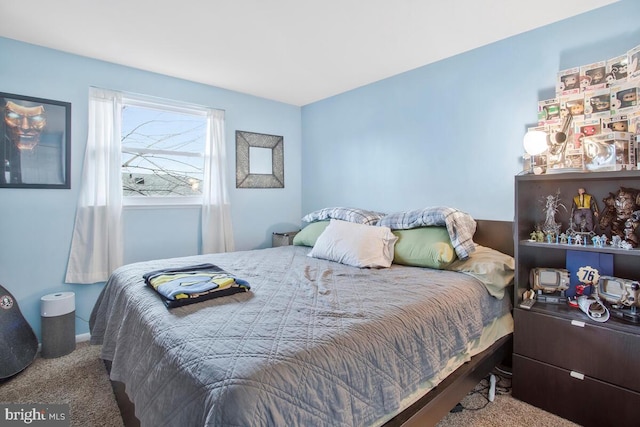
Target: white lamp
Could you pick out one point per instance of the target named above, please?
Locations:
(535, 142)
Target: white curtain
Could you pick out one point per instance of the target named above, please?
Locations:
(217, 232)
(96, 246)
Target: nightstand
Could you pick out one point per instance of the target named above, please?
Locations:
(283, 239)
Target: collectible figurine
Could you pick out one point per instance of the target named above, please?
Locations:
(600, 103)
(597, 75)
(570, 81)
(628, 98)
(626, 245)
(619, 126)
(585, 82)
(622, 214)
(583, 210)
(576, 108)
(551, 227)
(609, 211)
(588, 130)
(616, 241)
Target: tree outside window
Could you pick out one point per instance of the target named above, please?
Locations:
(162, 150)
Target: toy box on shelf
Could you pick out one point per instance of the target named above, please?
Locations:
(617, 69)
(593, 122)
(625, 151)
(600, 152)
(633, 67)
(587, 127)
(609, 151)
(619, 123)
(624, 97)
(572, 104)
(597, 103)
(593, 76)
(634, 121)
(568, 82)
(548, 111)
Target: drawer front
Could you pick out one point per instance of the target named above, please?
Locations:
(593, 350)
(585, 401)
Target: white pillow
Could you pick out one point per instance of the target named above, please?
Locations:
(354, 244)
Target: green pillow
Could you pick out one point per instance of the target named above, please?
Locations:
(424, 247)
(308, 235)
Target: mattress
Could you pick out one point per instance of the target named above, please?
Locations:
(314, 342)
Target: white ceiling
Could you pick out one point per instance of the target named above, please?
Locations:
(294, 51)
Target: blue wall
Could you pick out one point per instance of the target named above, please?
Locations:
(36, 225)
(450, 133)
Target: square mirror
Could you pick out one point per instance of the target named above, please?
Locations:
(259, 160)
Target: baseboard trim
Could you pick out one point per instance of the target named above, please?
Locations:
(79, 338)
(83, 337)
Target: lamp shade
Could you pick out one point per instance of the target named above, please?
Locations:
(535, 142)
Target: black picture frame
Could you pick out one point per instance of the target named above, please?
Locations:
(33, 154)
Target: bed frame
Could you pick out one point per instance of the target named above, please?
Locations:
(434, 405)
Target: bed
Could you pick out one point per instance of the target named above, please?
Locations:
(314, 342)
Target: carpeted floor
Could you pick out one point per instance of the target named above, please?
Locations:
(504, 411)
(80, 379)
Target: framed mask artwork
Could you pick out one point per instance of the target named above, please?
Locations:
(35, 142)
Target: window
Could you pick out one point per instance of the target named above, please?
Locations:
(163, 149)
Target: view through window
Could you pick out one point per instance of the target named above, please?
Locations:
(163, 150)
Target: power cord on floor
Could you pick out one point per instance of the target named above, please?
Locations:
(503, 386)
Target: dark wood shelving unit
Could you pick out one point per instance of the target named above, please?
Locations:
(564, 362)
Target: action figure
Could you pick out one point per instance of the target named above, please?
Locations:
(609, 211)
(622, 214)
(551, 227)
(583, 210)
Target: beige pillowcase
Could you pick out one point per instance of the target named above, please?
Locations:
(493, 268)
(354, 244)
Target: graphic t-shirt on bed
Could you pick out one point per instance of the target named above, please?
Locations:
(195, 283)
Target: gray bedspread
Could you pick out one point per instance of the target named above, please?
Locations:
(313, 343)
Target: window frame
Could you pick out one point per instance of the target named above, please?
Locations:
(165, 105)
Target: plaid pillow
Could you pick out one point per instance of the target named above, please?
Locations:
(359, 216)
(460, 225)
